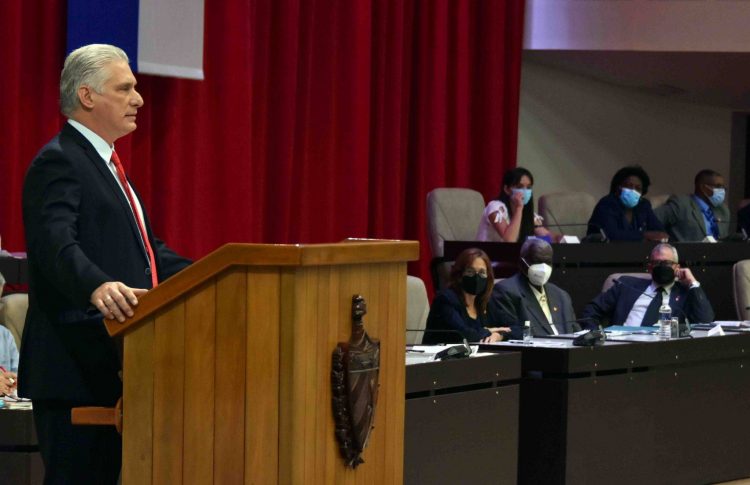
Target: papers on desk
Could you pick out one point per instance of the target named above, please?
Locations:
(629, 330)
(15, 402)
(420, 354)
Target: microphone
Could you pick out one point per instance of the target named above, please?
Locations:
(601, 236)
(554, 219)
(460, 351)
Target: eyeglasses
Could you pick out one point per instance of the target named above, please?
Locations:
(472, 272)
(663, 262)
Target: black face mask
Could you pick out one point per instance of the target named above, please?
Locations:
(662, 274)
(473, 285)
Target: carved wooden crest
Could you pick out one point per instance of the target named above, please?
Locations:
(354, 379)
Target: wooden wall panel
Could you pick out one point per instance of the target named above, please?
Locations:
(138, 406)
(169, 394)
(322, 299)
(262, 378)
(229, 396)
(200, 355)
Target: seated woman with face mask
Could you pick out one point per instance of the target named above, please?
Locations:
(529, 296)
(460, 311)
(511, 217)
(624, 214)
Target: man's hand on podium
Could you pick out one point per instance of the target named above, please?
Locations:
(116, 300)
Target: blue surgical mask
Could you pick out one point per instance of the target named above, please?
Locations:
(526, 194)
(629, 197)
(717, 198)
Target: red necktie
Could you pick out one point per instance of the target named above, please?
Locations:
(141, 227)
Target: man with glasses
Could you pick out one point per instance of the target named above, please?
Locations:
(699, 215)
(635, 301)
(528, 295)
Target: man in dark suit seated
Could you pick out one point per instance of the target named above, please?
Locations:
(528, 296)
(635, 301)
(91, 255)
(700, 214)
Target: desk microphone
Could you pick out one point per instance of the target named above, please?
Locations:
(594, 237)
(554, 219)
(460, 351)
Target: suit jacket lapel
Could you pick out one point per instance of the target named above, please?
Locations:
(109, 180)
(697, 214)
(532, 306)
(555, 309)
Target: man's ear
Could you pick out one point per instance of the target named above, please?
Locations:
(85, 97)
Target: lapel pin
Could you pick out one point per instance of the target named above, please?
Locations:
(554, 308)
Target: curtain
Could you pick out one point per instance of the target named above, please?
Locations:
(318, 119)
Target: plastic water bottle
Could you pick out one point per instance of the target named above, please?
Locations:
(527, 336)
(665, 320)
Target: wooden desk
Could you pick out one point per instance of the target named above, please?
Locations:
(646, 413)
(462, 420)
(580, 269)
(20, 461)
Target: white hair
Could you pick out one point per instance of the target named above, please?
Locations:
(85, 66)
(661, 246)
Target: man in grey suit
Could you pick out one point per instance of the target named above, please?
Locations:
(528, 295)
(698, 215)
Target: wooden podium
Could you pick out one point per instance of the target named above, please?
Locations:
(226, 366)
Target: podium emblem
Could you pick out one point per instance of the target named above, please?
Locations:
(354, 379)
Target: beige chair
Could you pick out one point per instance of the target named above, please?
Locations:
(741, 279)
(611, 279)
(658, 199)
(452, 215)
(570, 210)
(13, 314)
(417, 309)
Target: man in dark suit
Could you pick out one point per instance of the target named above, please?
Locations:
(91, 254)
(698, 215)
(528, 296)
(635, 301)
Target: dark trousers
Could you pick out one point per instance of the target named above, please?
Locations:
(80, 455)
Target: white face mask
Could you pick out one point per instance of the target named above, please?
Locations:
(539, 273)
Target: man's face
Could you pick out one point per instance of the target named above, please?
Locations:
(536, 254)
(113, 111)
(662, 257)
(711, 183)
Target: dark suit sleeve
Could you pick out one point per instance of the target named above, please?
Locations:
(743, 219)
(599, 310)
(446, 314)
(697, 307)
(668, 213)
(170, 263)
(652, 222)
(504, 310)
(52, 195)
(569, 313)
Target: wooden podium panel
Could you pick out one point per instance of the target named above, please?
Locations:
(227, 366)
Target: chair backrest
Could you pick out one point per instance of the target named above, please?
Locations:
(658, 199)
(571, 210)
(741, 283)
(452, 215)
(743, 203)
(611, 279)
(13, 314)
(417, 309)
